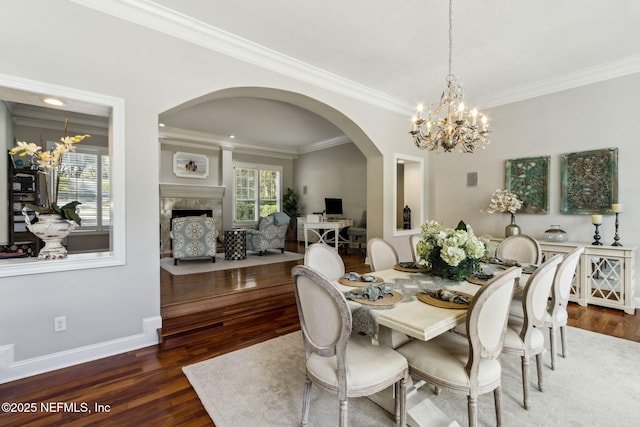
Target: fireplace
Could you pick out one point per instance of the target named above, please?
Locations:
(177, 213)
(188, 200)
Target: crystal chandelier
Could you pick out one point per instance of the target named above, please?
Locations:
(450, 125)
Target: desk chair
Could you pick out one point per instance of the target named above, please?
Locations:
(359, 233)
(338, 361)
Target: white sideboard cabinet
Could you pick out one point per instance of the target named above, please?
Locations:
(605, 275)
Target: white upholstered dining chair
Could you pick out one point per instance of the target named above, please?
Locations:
(524, 337)
(337, 361)
(521, 248)
(556, 315)
(382, 255)
(469, 364)
(413, 240)
(325, 259)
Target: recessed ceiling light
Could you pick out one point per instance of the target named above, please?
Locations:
(161, 125)
(232, 136)
(53, 101)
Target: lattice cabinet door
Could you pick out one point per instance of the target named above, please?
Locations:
(609, 277)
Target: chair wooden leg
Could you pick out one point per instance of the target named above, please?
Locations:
(497, 397)
(539, 370)
(344, 409)
(306, 401)
(552, 339)
(525, 381)
(472, 408)
(563, 340)
(401, 399)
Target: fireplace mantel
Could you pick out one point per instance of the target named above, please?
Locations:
(192, 191)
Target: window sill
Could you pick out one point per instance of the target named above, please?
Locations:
(32, 265)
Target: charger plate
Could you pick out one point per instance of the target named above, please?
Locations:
(526, 268)
(360, 283)
(476, 280)
(406, 269)
(389, 299)
(444, 304)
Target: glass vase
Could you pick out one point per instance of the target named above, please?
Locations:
(512, 229)
(555, 234)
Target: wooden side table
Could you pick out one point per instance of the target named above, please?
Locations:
(235, 244)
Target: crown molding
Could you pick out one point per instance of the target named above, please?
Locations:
(193, 139)
(168, 21)
(322, 145)
(586, 76)
(165, 20)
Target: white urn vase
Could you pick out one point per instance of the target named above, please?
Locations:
(51, 229)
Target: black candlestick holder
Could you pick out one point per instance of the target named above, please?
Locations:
(596, 236)
(616, 238)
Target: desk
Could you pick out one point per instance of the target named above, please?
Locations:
(323, 228)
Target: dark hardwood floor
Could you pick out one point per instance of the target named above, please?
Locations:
(147, 386)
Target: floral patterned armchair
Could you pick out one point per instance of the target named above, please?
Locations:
(193, 237)
(270, 234)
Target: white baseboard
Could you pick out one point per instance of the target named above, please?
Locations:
(11, 370)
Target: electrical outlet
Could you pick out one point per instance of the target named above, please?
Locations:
(60, 324)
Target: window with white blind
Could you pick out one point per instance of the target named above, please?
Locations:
(85, 178)
(256, 191)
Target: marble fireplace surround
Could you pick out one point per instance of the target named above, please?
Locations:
(184, 196)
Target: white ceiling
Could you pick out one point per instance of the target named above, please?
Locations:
(504, 51)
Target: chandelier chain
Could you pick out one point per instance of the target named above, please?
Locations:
(450, 39)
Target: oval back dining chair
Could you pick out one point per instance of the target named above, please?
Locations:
(382, 255)
(469, 364)
(338, 361)
(413, 240)
(524, 336)
(556, 316)
(325, 259)
(521, 248)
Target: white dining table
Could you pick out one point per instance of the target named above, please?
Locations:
(413, 319)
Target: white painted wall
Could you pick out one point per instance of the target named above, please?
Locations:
(591, 117)
(117, 308)
(337, 172)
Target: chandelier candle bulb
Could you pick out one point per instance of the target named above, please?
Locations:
(596, 219)
(616, 208)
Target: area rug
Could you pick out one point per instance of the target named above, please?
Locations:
(598, 384)
(205, 266)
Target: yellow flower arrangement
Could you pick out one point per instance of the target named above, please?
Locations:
(49, 163)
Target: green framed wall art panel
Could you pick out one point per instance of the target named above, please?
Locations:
(589, 181)
(528, 178)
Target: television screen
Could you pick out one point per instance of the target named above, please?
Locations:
(333, 206)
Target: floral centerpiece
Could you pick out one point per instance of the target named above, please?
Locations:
(49, 163)
(451, 253)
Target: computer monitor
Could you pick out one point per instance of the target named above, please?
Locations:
(333, 207)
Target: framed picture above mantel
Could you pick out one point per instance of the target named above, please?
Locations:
(589, 181)
(189, 165)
